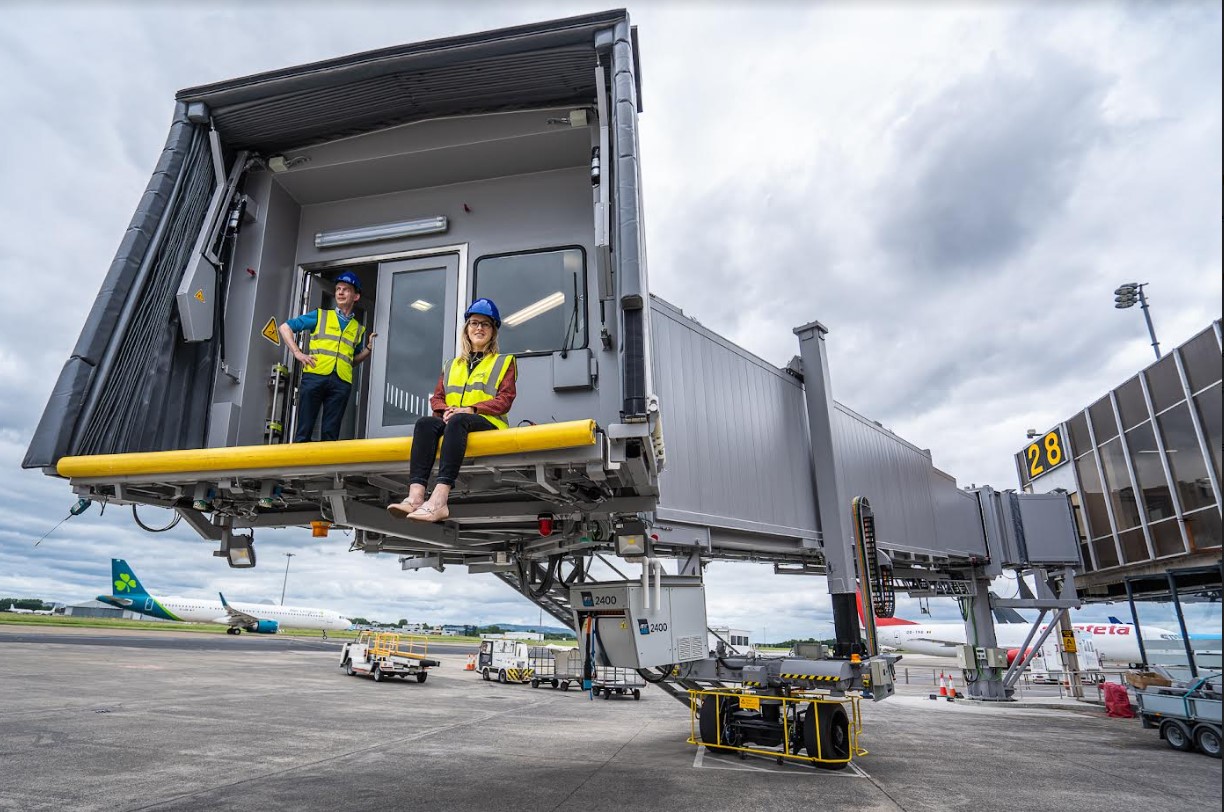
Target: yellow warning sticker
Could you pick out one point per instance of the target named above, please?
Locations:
(270, 332)
(199, 294)
(750, 703)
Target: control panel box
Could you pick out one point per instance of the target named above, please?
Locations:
(632, 626)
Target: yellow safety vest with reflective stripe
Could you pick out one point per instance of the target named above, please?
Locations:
(465, 388)
(334, 348)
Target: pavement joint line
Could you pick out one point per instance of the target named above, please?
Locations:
(382, 745)
(605, 763)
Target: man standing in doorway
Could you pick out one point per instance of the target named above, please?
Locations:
(337, 343)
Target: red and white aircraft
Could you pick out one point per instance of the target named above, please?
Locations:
(1113, 641)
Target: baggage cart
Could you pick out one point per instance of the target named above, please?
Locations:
(611, 680)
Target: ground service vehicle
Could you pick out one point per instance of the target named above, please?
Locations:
(383, 655)
(1188, 716)
(504, 661)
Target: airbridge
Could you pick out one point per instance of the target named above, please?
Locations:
(637, 432)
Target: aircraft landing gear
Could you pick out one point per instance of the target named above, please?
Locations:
(233, 630)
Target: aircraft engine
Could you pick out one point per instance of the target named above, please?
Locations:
(265, 627)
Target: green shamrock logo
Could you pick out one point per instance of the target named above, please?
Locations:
(125, 583)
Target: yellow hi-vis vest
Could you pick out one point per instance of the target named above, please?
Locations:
(334, 348)
(467, 389)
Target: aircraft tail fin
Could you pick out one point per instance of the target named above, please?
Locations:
(123, 579)
(879, 621)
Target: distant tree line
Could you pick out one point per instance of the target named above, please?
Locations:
(24, 603)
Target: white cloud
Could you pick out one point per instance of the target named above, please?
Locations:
(955, 190)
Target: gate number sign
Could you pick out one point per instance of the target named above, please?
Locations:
(1044, 454)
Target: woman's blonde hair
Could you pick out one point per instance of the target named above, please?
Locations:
(466, 343)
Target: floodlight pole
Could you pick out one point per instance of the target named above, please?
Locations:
(284, 583)
(1143, 305)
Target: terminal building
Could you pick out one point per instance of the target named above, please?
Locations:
(1142, 466)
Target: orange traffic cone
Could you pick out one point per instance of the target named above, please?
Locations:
(943, 685)
(471, 663)
(951, 688)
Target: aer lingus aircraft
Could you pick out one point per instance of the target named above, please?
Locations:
(253, 617)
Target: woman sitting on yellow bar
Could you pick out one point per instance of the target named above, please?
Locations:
(474, 393)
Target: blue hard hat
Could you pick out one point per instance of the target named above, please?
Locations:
(351, 278)
(483, 307)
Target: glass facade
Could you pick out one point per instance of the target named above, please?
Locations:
(1149, 488)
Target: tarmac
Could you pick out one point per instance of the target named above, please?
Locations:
(168, 720)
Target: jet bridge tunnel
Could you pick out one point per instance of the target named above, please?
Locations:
(435, 185)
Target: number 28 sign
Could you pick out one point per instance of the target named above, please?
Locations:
(1043, 454)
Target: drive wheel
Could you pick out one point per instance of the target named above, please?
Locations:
(348, 668)
(485, 674)
(713, 713)
(834, 727)
(501, 676)
(378, 674)
(1207, 738)
(421, 676)
(1176, 734)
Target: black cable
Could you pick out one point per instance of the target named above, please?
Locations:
(177, 517)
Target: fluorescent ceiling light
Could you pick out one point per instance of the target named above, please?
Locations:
(386, 231)
(422, 305)
(534, 309)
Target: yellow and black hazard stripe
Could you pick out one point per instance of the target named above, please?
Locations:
(811, 677)
(520, 674)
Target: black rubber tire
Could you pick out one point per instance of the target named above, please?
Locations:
(485, 674)
(708, 717)
(607, 693)
(421, 677)
(636, 694)
(565, 685)
(834, 734)
(555, 683)
(501, 676)
(535, 683)
(348, 668)
(1207, 740)
(1177, 735)
(377, 673)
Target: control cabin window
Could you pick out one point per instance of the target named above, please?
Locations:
(541, 298)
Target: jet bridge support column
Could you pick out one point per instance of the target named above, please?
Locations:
(831, 506)
(982, 681)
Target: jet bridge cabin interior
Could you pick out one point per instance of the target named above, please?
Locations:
(499, 165)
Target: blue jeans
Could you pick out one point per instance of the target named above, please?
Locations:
(327, 391)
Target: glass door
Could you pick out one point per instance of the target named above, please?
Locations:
(416, 325)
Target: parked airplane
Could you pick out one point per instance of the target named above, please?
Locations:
(1115, 642)
(253, 617)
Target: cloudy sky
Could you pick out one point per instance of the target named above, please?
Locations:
(955, 190)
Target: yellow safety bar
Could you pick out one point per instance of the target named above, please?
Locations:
(696, 697)
(387, 644)
(543, 437)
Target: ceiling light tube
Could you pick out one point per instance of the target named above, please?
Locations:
(534, 309)
(386, 231)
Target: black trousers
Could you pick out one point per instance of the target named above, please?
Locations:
(454, 436)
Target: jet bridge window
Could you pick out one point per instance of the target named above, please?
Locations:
(541, 296)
